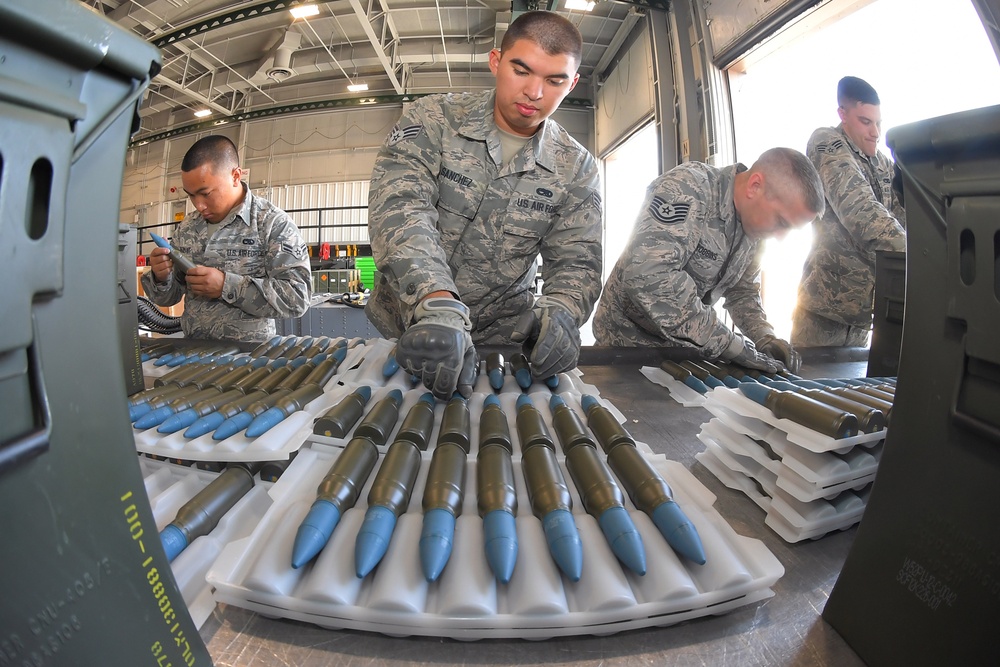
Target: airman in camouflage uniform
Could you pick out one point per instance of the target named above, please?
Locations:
(490, 222)
(697, 240)
(863, 214)
(466, 192)
(251, 262)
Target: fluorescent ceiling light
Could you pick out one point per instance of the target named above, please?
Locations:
(582, 5)
(201, 113)
(304, 11)
(358, 87)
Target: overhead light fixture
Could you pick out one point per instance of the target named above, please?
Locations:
(358, 87)
(304, 11)
(581, 5)
(201, 113)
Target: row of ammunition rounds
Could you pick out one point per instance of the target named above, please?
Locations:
(547, 490)
(835, 408)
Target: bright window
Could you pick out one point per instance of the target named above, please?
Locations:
(926, 58)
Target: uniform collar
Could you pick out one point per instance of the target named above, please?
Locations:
(727, 209)
(479, 125)
(243, 210)
(857, 151)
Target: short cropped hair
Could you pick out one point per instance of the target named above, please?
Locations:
(217, 150)
(851, 90)
(787, 170)
(553, 33)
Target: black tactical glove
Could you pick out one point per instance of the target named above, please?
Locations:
(742, 352)
(549, 338)
(781, 350)
(438, 349)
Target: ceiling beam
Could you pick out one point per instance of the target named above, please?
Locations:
(389, 68)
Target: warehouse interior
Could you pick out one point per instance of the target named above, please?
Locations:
(811, 559)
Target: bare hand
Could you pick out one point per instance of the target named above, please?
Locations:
(161, 264)
(205, 281)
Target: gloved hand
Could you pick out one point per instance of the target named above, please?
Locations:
(438, 349)
(781, 350)
(549, 338)
(742, 351)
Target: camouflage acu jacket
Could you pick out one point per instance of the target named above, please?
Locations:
(687, 251)
(862, 216)
(445, 214)
(266, 265)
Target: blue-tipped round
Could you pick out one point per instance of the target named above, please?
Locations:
(564, 542)
(490, 400)
(624, 538)
(831, 382)
(696, 384)
(314, 532)
(552, 382)
(763, 379)
(206, 424)
(500, 540)
(173, 541)
(144, 357)
(137, 411)
(339, 353)
(588, 401)
(278, 363)
(756, 392)
(436, 539)
(297, 361)
(153, 417)
(241, 362)
(182, 419)
(159, 240)
(791, 376)
(427, 397)
(396, 395)
(731, 382)
(712, 382)
(809, 384)
(373, 539)
(318, 358)
(524, 399)
(165, 358)
(259, 362)
(781, 385)
(496, 378)
(523, 378)
(365, 392)
(679, 532)
(390, 366)
(414, 380)
(179, 359)
(264, 422)
(749, 379)
(556, 401)
(232, 426)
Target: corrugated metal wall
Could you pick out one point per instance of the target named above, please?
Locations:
(342, 217)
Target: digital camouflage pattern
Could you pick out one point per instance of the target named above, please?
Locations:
(445, 214)
(862, 215)
(266, 265)
(687, 251)
(822, 332)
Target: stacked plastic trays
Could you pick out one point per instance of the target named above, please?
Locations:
(805, 451)
(257, 561)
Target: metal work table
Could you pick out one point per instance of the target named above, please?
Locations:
(784, 630)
